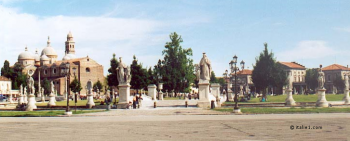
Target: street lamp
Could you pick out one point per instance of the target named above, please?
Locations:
(234, 61)
(242, 64)
(66, 72)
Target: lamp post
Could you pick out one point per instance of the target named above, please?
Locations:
(66, 72)
(234, 61)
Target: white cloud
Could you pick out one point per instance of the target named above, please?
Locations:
(98, 37)
(307, 50)
(345, 29)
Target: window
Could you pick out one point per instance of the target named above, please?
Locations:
(45, 72)
(87, 70)
(329, 77)
(54, 71)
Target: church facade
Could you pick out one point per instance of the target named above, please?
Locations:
(49, 67)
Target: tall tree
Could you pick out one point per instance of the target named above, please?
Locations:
(112, 80)
(6, 70)
(138, 76)
(151, 77)
(47, 86)
(311, 78)
(213, 78)
(75, 85)
(98, 85)
(177, 65)
(18, 77)
(266, 72)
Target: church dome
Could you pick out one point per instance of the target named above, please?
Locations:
(48, 50)
(26, 55)
(69, 34)
(44, 57)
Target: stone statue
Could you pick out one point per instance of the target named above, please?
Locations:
(52, 88)
(42, 91)
(321, 79)
(346, 82)
(205, 68)
(21, 90)
(30, 84)
(25, 91)
(89, 87)
(123, 71)
(290, 82)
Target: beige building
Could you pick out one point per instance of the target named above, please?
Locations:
(331, 72)
(298, 72)
(48, 67)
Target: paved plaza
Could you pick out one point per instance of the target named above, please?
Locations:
(176, 124)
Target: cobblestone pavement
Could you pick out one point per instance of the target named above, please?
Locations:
(148, 125)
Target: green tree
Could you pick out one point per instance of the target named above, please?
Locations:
(338, 82)
(213, 78)
(75, 85)
(151, 77)
(266, 72)
(18, 77)
(98, 85)
(138, 76)
(311, 78)
(6, 70)
(112, 80)
(177, 65)
(47, 86)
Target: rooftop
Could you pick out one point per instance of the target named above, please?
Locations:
(335, 67)
(3, 78)
(292, 65)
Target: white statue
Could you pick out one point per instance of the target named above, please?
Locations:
(42, 91)
(321, 79)
(25, 91)
(89, 87)
(197, 71)
(205, 68)
(123, 72)
(21, 90)
(290, 82)
(52, 88)
(346, 82)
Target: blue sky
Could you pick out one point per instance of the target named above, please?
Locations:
(309, 32)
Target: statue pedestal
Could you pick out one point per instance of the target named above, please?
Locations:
(90, 101)
(160, 95)
(203, 91)
(289, 100)
(231, 96)
(25, 99)
(346, 97)
(52, 100)
(322, 101)
(215, 89)
(152, 92)
(124, 96)
(20, 100)
(218, 103)
(31, 103)
(11, 101)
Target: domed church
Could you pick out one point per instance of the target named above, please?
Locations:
(48, 67)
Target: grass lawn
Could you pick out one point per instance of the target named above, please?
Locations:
(297, 98)
(286, 110)
(42, 113)
(72, 103)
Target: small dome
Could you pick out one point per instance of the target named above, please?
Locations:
(36, 56)
(44, 58)
(26, 55)
(69, 34)
(68, 57)
(48, 50)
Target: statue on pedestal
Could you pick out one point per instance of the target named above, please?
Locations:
(205, 68)
(52, 88)
(346, 81)
(123, 71)
(290, 82)
(21, 90)
(321, 79)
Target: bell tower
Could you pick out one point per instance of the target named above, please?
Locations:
(70, 44)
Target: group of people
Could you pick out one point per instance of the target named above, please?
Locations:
(136, 102)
